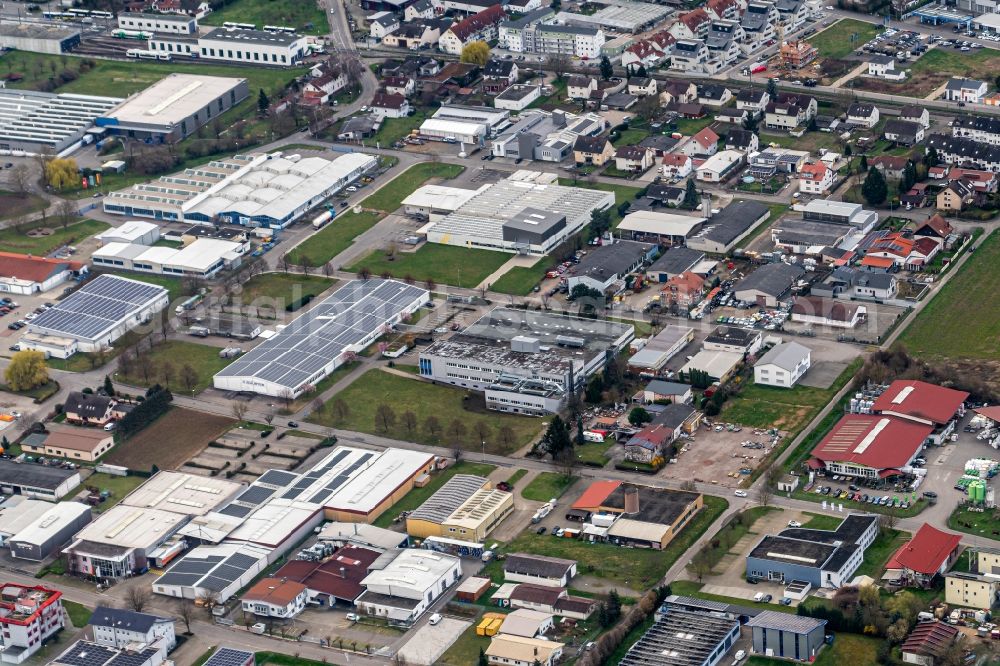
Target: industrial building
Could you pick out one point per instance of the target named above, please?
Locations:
(174, 107)
(202, 259)
(633, 516)
(317, 342)
(870, 446)
(538, 569)
(622, 16)
(812, 557)
(769, 285)
(684, 638)
(180, 24)
(37, 481)
(217, 572)
(464, 124)
(465, 508)
(48, 123)
(255, 190)
(180, 492)
(44, 535)
(663, 227)
(524, 361)
(16, 513)
(334, 580)
(24, 274)
(544, 136)
(38, 37)
(134, 231)
(433, 202)
(719, 365)
(930, 553)
(783, 365)
(724, 230)
(787, 636)
(528, 213)
(405, 587)
(924, 403)
(254, 47)
(605, 268)
(87, 444)
(658, 350)
(100, 312)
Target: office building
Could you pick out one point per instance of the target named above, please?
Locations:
(29, 617)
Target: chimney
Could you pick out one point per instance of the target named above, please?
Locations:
(631, 501)
(343, 572)
(706, 205)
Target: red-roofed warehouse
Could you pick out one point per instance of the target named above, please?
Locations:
(921, 402)
(871, 446)
(24, 274)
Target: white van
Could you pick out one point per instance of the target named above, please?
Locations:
(108, 427)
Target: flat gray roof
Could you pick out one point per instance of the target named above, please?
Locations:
(253, 37)
(31, 474)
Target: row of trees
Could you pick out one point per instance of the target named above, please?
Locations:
(156, 403)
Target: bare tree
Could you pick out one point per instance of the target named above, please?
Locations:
(327, 269)
(887, 521)
(385, 417)
(20, 179)
(287, 396)
(185, 612)
(167, 371)
(136, 598)
(457, 454)
(701, 564)
(409, 421)
(482, 431)
(456, 431)
(285, 262)
(67, 212)
(239, 409)
(188, 377)
(566, 462)
(764, 494)
(506, 437)
(558, 64)
(269, 415)
(433, 426)
(364, 273)
(144, 365)
(340, 409)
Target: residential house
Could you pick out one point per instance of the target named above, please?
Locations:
(580, 87)
(596, 150)
(683, 291)
(70, 442)
(759, 22)
(884, 67)
(692, 25)
(420, 34)
(659, 390)
(498, 75)
(753, 100)
(319, 89)
(982, 181)
(381, 24)
(828, 312)
(641, 86)
(665, 195)
(275, 597)
(677, 165)
(664, 40)
(862, 114)
(935, 227)
(692, 56)
(660, 144)
(985, 129)
(508, 650)
(969, 91)
(634, 159)
(93, 409)
(895, 247)
(815, 178)
(891, 166)
(957, 195)
(645, 53)
(678, 92)
(117, 627)
(399, 85)
(769, 285)
(851, 283)
(386, 105)
(743, 140)
(713, 94)
(720, 166)
(916, 114)
(724, 10)
(796, 54)
(656, 438)
(421, 9)
(705, 143)
(783, 365)
(928, 643)
(930, 553)
(958, 150)
(971, 590)
(789, 110)
(723, 43)
(554, 600)
(732, 116)
(481, 26)
(903, 132)
(792, 13)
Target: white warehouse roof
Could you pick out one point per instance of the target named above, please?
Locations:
(130, 527)
(56, 518)
(179, 492)
(439, 197)
(449, 127)
(412, 569)
(17, 512)
(197, 257)
(173, 98)
(129, 232)
(664, 224)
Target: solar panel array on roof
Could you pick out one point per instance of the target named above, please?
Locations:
(255, 495)
(97, 307)
(311, 342)
(213, 572)
(230, 657)
(236, 510)
(276, 477)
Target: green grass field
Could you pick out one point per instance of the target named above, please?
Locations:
(630, 137)
(442, 264)
(418, 496)
(178, 353)
(691, 126)
(984, 524)
(963, 318)
(283, 288)
(13, 241)
(546, 486)
(120, 486)
(13, 205)
(333, 239)
(121, 79)
(836, 41)
(390, 197)
(690, 588)
(396, 129)
(820, 521)
(981, 63)
(877, 554)
(846, 649)
(446, 403)
(465, 650)
(520, 280)
(79, 614)
(306, 17)
(637, 568)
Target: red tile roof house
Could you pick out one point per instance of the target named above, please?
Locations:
(929, 553)
(338, 579)
(923, 403)
(25, 274)
(927, 642)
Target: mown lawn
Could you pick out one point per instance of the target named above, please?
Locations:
(850, 649)
(333, 239)
(446, 404)
(836, 42)
(79, 614)
(983, 524)
(877, 554)
(306, 17)
(546, 486)
(442, 264)
(119, 486)
(465, 651)
(12, 240)
(637, 568)
(396, 129)
(520, 280)
(283, 288)
(14, 205)
(963, 319)
(390, 197)
(418, 496)
(819, 521)
(167, 359)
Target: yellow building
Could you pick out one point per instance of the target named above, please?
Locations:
(429, 519)
(970, 590)
(478, 515)
(988, 560)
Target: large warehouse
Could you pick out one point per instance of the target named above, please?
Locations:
(464, 508)
(314, 344)
(100, 312)
(37, 481)
(174, 107)
(527, 213)
(44, 535)
(525, 361)
(216, 571)
(41, 122)
(255, 189)
(201, 259)
(870, 446)
(38, 37)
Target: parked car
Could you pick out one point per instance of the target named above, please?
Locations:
(740, 493)
(293, 424)
(767, 598)
(758, 597)
(353, 617)
(435, 618)
(794, 523)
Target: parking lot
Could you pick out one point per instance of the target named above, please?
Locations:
(21, 315)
